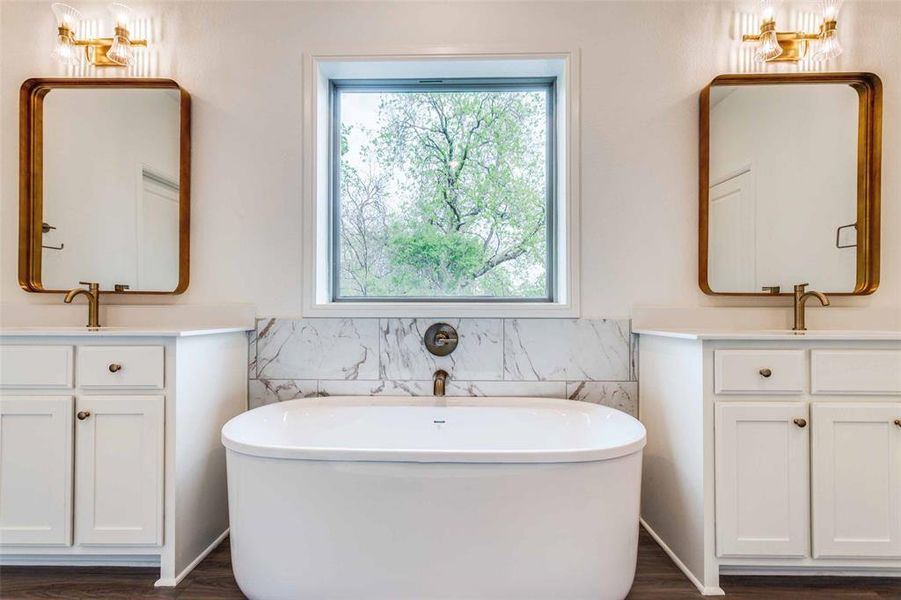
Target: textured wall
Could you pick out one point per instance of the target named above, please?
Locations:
(590, 360)
(643, 65)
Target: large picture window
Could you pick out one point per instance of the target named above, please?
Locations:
(443, 190)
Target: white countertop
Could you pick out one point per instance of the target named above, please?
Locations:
(774, 334)
(53, 331)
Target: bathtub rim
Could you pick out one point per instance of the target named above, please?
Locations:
(469, 456)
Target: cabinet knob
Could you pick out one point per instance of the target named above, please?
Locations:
(84, 414)
(898, 422)
(765, 372)
(800, 422)
(115, 368)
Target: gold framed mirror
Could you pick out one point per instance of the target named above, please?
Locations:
(104, 185)
(789, 185)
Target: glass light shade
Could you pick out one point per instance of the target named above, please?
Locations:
(122, 14)
(767, 11)
(830, 9)
(66, 52)
(768, 47)
(121, 50)
(66, 16)
(828, 47)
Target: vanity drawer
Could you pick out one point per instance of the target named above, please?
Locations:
(120, 366)
(36, 366)
(759, 371)
(855, 372)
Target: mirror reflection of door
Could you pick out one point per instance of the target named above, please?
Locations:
(732, 233)
(782, 181)
(157, 232)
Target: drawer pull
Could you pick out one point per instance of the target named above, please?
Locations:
(898, 422)
(800, 423)
(115, 368)
(765, 372)
(84, 414)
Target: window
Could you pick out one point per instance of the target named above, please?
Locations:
(443, 190)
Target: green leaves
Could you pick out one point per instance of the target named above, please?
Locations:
(445, 195)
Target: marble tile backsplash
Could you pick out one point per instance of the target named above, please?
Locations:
(591, 360)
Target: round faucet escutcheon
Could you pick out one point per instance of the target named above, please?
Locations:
(441, 339)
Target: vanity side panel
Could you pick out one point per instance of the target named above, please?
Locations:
(671, 407)
(211, 388)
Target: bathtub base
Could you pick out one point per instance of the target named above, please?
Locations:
(429, 531)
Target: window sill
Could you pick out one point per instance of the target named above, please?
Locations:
(443, 309)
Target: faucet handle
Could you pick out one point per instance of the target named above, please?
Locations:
(92, 285)
(799, 287)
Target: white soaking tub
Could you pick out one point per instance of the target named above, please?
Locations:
(417, 498)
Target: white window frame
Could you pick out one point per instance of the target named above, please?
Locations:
(322, 67)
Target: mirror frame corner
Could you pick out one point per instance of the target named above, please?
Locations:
(31, 98)
(869, 171)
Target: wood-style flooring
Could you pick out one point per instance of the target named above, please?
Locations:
(657, 579)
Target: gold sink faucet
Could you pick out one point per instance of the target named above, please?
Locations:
(801, 298)
(93, 294)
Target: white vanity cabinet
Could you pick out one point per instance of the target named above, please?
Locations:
(109, 445)
(773, 453)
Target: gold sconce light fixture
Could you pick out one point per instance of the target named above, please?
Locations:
(116, 51)
(773, 45)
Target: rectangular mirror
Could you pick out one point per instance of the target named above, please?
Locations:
(789, 183)
(105, 185)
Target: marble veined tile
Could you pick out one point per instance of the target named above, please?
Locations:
(622, 395)
(633, 350)
(252, 354)
(478, 356)
(500, 389)
(268, 391)
(317, 349)
(540, 389)
(375, 388)
(566, 349)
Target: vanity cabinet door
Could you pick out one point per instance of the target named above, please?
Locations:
(36, 470)
(856, 479)
(119, 470)
(762, 483)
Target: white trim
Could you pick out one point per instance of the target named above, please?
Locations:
(812, 571)
(315, 304)
(80, 560)
(174, 581)
(706, 591)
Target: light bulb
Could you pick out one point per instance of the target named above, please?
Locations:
(122, 14)
(120, 51)
(66, 16)
(828, 47)
(767, 11)
(768, 47)
(830, 9)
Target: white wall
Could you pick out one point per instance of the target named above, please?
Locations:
(643, 65)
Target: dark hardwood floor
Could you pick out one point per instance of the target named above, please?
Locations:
(657, 579)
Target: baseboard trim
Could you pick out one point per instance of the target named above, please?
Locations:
(174, 581)
(80, 560)
(705, 590)
(811, 571)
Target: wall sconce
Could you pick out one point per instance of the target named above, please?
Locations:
(116, 51)
(775, 45)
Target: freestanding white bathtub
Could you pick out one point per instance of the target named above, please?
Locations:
(418, 498)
